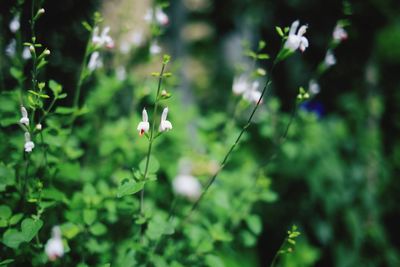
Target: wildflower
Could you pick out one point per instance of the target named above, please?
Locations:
(29, 145)
(240, 85)
(339, 33)
(24, 114)
(144, 125)
(14, 24)
(297, 41)
(26, 53)
(11, 48)
(165, 125)
(95, 61)
(103, 39)
(313, 87)
(330, 59)
(54, 248)
(252, 94)
(158, 14)
(187, 186)
(155, 48)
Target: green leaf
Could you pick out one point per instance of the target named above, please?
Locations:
(254, 223)
(13, 238)
(153, 167)
(5, 262)
(263, 56)
(7, 177)
(70, 230)
(30, 227)
(89, 216)
(261, 45)
(16, 73)
(5, 212)
(130, 187)
(55, 87)
(65, 110)
(279, 31)
(214, 261)
(98, 229)
(87, 26)
(16, 218)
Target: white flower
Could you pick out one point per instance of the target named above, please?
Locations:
(137, 38)
(249, 91)
(252, 94)
(313, 87)
(54, 248)
(24, 119)
(14, 24)
(95, 61)
(11, 48)
(165, 125)
(29, 145)
(161, 17)
(26, 53)
(339, 33)
(158, 14)
(120, 73)
(144, 125)
(240, 85)
(297, 40)
(155, 48)
(103, 39)
(187, 186)
(330, 58)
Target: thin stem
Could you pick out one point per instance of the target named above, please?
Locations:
(227, 155)
(82, 73)
(151, 139)
(278, 253)
(24, 185)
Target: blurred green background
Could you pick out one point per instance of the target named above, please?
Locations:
(337, 176)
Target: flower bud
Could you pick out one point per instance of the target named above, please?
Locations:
(46, 52)
(32, 49)
(40, 11)
(38, 127)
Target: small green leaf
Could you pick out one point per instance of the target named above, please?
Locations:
(13, 238)
(5, 212)
(129, 188)
(153, 165)
(98, 229)
(16, 218)
(279, 31)
(254, 223)
(87, 26)
(261, 45)
(30, 227)
(263, 56)
(5, 262)
(16, 73)
(89, 216)
(70, 230)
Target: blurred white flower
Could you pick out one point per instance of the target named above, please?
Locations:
(29, 145)
(95, 61)
(339, 33)
(165, 125)
(137, 38)
(103, 39)
(158, 14)
(186, 185)
(144, 125)
(297, 40)
(240, 84)
(313, 87)
(252, 94)
(54, 248)
(26, 53)
(330, 58)
(14, 24)
(155, 48)
(120, 73)
(24, 116)
(38, 127)
(248, 90)
(11, 48)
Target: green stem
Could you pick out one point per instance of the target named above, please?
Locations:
(276, 256)
(82, 74)
(151, 139)
(238, 138)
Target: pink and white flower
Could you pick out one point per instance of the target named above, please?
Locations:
(165, 125)
(297, 40)
(103, 39)
(54, 248)
(144, 125)
(339, 33)
(29, 145)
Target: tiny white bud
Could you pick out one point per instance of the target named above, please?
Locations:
(46, 52)
(32, 49)
(39, 127)
(41, 11)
